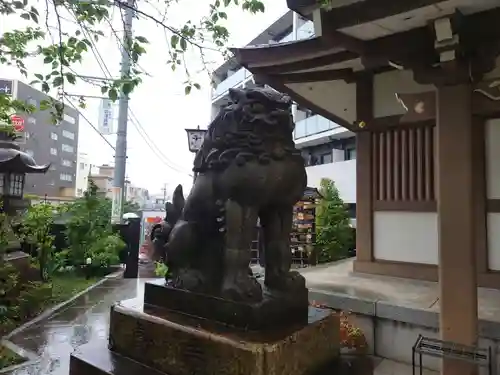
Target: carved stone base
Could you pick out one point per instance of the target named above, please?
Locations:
(276, 310)
(178, 345)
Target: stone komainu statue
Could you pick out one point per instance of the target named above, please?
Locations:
(248, 169)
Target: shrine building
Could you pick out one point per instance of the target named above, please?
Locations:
(418, 81)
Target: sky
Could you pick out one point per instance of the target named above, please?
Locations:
(159, 104)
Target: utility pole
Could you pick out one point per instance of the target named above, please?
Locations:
(121, 134)
(164, 189)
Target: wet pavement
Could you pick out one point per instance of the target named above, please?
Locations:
(49, 343)
(85, 320)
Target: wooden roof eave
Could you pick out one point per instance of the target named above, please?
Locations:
(289, 53)
(275, 66)
(277, 82)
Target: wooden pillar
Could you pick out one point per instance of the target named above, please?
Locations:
(457, 260)
(364, 196)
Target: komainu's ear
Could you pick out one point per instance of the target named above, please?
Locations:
(178, 199)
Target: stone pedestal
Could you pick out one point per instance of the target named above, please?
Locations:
(156, 340)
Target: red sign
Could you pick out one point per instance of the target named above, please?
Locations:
(17, 123)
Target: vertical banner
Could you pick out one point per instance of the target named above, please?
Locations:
(116, 208)
(106, 117)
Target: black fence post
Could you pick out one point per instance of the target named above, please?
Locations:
(133, 234)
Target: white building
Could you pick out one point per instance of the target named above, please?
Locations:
(83, 171)
(328, 148)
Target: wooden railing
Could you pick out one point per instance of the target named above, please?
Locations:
(403, 168)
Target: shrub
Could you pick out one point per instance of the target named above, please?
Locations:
(18, 300)
(104, 252)
(333, 225)
(36, 230)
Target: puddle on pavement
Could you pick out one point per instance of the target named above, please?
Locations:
(86, 320)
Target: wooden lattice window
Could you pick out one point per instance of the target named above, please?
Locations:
(403, 164)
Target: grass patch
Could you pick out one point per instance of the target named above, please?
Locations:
(65, 286)
(9, 358)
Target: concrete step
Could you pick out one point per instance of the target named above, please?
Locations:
(97, 359)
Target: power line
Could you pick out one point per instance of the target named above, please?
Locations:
(88, 122)
(134, 120)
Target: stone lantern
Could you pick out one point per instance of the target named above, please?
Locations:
(14, 165)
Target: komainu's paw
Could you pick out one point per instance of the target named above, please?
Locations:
(189, 279)
(286, 282)
(242, 288)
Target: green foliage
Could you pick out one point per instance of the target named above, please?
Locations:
(161, 269)
(130, 206)
(18, 300)
(35, 230)
(89, 230)
(9, 358)
(66, 50)
(334, 233)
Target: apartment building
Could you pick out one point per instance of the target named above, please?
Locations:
(84, 168)
(47, 142)
(329, 149)
(104, 182)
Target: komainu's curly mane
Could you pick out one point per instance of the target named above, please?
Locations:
(257, 124)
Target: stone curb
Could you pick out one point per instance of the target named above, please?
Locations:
(52, 310)
(390, 311)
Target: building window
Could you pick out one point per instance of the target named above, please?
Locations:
(67, 163)
(350, 154)
(82, 166)
(67, 148)
(31, 120)
(53, 151)
(66, 177)
(69, 119)
(53, 136)
(79, 192)
(68, 134)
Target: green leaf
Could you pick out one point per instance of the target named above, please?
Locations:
(197, 86)
(183, 44)
(58, 81)
(45, 87)
(174, 40)
(39, 76)
(34, 17)
(113, 94)
(127, 88)
(104, 89)
(71, 78)
(25, 16)
(187, 89)
(48, 59)
(141, 39)
(227, 2)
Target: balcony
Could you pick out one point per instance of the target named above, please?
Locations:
(232, 81)
(313, 125)
(303, 32)
(316, 130)
(343, 173)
